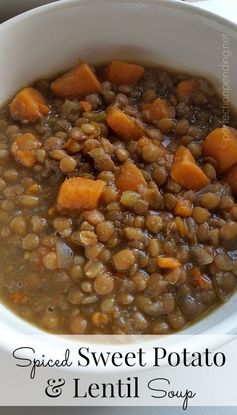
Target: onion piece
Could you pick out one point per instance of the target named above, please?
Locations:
(64, 254)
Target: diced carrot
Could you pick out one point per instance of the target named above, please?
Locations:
(231, 178)
(168, 263)
(202, 281)
(221, 144)
(181, 227)
(159, 109)
(28, 105)
(80, 193)
(129, 177)
(124, 125)
(86, 106)
(78, 82)
(18, 297)
(186, 88)
(186, 172)
(24, 148)
(121, 73)
(183, 207)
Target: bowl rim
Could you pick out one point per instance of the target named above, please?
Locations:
(170, 4)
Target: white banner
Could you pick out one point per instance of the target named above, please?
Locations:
(173, 370)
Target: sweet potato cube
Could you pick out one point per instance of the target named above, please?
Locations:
(124, 125)
(28, 105)
(80, 193)
(129, 177)
(121, 73)
(186, 172)
(185, 89)
(78, 82)
(221, 144)
(159, 109)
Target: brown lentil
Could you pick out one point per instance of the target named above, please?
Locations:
(18, 225)
(50, 261)
(105, 231)
(229, 231)
(159, 174)
(210, 171)
(124, 259)
(31, 241)
(150, 153)
(67, 164)
(223, 262)
(104, 284)
(209, 200)
(200, 214)
(154, 223)
(78, 325)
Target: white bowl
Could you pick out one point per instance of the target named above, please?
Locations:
(168, 33)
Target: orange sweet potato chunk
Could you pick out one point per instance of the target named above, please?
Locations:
(169, 263)
(80, 193)
(129, 177)
(159, 109)
(24, 148)
(185, 89)
(121, 73)
(78, 82)
(28, 105)
(231, 178)
(221, 144)
(124, 125)
(186, 172)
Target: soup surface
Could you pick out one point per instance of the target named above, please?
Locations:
(117, 208)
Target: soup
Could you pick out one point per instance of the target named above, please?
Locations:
(117, 208)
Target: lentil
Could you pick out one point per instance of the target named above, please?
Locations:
(31, 241)
(104, 231)
(18, 225)
(209, 200)
(124, 259)
(154, 223)
(78, 325)
(104, 284)
(67, 164)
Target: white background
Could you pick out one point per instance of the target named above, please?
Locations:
(8, 8)
(118, 411)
